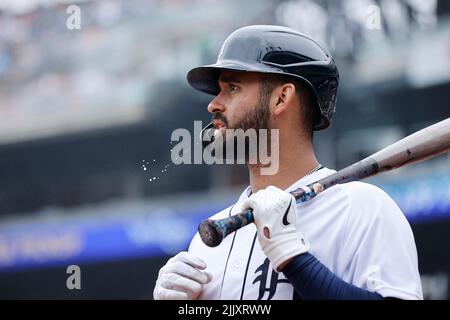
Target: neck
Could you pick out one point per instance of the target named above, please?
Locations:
(296, 159)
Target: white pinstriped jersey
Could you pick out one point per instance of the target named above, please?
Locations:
(355, 230)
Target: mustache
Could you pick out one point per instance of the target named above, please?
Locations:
(219, 116)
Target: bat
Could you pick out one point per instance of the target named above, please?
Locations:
(419, 146)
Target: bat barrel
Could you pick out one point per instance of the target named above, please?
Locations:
(419, 146)
(360, 170)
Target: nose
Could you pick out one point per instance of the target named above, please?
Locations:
(215, 106)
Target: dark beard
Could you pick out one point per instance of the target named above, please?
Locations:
(255, 118)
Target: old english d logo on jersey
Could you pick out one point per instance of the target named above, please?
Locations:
(263, 277)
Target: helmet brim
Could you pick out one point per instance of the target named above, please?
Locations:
(206, 78)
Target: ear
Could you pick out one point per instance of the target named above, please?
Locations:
(284, 95)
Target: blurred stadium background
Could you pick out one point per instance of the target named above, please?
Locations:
(86, 117)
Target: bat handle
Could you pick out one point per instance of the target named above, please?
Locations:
(212, 232)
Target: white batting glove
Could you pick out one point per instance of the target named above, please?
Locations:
(275, 218)
(181, 278)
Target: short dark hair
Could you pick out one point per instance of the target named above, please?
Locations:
(310, 110)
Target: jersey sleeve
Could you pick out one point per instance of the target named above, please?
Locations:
(380, 245)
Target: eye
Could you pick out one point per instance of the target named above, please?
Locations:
(233, 88)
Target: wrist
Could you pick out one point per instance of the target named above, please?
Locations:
(284, 264)
(282, 249)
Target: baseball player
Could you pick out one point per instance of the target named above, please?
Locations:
(350, 242)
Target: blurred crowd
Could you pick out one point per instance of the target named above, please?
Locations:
(55, 80)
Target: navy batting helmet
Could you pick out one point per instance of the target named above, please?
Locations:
(275, 50)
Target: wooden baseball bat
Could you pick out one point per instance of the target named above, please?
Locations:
(424, 144)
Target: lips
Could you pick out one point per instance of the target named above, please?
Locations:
(219, 124)
(220, 127)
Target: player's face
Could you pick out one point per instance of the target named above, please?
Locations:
(239, 105)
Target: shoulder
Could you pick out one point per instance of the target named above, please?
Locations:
(362, 189)
(354, 193)
(355, 196)
(371, 208)
(356, 204)
(369, 197)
